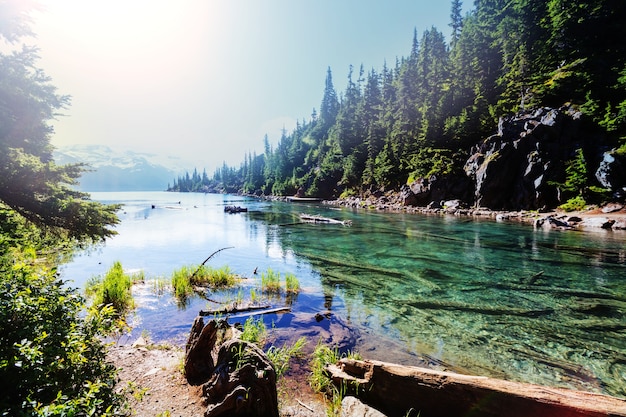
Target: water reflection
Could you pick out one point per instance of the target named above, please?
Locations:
(499, 299)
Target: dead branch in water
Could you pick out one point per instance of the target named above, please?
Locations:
(207, 260)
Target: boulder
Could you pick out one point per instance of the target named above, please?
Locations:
(424, 191)
(620, 224)
(613, 207)
(597, 222)
(352, 407)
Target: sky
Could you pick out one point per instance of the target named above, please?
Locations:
(206, 80)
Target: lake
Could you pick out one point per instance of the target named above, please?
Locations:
(483, 297)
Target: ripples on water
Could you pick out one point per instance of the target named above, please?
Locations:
(498, 299)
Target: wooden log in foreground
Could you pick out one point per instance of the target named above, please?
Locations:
(396, 389)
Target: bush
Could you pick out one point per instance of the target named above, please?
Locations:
(52, 361)
(574, 204)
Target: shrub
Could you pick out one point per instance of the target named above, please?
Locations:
(574, 204)
(52, 359)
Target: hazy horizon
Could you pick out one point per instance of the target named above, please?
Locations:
(204, 81)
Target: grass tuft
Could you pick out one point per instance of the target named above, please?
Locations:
(280, 356)
(186, 277)
(254, 331)
(270, 281)
(292, 285)
(114, 289)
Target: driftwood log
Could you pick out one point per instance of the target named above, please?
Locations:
(237, 378)
(403, 390)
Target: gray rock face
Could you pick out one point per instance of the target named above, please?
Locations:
(611, 173)
(519, 167)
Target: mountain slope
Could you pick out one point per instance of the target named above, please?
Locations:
(115, 170)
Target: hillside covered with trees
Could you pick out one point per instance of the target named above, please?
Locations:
(423, 116)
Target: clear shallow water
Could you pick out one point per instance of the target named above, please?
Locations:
(489, 298)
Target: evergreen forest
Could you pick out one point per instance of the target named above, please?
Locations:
(421, 115)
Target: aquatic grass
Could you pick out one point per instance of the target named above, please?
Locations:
(292, 285)
(270, 281)
(254, 331)
(254, 298)
(280, 357)
(220, 277)
(114, 289)
(187, 277)
(181, 282)
(324, 355)
(159, 285)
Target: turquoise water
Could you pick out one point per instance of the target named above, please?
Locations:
(488, 298)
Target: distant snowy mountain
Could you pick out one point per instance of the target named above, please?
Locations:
(120, 170)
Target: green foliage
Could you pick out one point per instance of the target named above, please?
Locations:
(254, 331)
(114, 289)
(280, 357)
(428, 162)
(270, 281)
(574, 204)
(52, 360)
(576, 173)
(31, 183)
(186, 277)
(292, 284)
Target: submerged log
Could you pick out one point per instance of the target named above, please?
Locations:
(403, 390)
(307, 218)
(236, 376)
(242, 312)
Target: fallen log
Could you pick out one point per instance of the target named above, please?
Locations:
(244, 312)
(232, 308)
(404, 390)
(307, 218)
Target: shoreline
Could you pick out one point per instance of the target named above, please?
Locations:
(611, 217)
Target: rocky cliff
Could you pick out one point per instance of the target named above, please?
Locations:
(523, 165)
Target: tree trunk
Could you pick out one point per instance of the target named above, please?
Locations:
(403, 390)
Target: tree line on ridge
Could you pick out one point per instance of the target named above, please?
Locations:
(421, 116)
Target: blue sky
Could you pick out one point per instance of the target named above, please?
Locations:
(205, 80)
